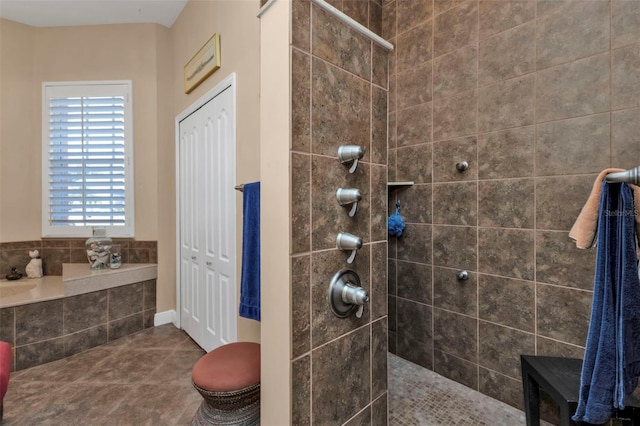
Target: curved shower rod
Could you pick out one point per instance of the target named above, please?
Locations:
(629, 176)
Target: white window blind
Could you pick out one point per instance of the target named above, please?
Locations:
(87, 164)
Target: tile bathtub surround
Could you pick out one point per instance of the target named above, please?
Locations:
(55, 252)
(339, 89)
(538, 96)
(46, 331)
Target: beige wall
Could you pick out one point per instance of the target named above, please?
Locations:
(275, 201)
(19, 140)
(30, 56)
(153, 57)
(111, 52)
(166, 294)
(238, 27)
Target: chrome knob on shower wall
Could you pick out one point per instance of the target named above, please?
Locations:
(462, 275)
(462, 166)
(349, 196)
(347, 153)
(349, 242)
(346, 295)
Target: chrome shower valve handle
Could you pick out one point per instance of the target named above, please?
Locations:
(349, 196)
(345, 295)
(349, 242)
(347, 153)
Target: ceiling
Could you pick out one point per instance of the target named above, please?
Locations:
(55, 13)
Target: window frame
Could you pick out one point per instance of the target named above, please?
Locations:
(89, 88)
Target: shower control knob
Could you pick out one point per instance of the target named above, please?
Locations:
(462, 166)
(345, 295)
(462, 275)
(348, 153)
(349, 242)
(354, 295)
(349, 196)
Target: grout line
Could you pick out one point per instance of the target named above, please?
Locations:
(477, 193)
(311, 252)
(431, 245)
(535, 182)
(492, 35)
(338, 67)
(610, 85)
(335, 339)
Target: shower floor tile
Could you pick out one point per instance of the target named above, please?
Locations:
(420, 397)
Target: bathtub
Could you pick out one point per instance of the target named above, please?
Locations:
(30, 290)
(49, 318)
(76, 279)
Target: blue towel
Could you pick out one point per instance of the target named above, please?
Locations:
(612, 356)
(250, 281)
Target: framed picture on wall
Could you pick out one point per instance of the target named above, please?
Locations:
(203, 64)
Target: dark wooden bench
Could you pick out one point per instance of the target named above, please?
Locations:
(560, 378)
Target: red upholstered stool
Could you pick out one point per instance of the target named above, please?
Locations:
(5, 371)
(228, 378)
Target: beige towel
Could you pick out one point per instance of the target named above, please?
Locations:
(586, 226)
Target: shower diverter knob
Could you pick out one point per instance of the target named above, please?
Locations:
(347, 153)
(462, 275)
(462, 166)
(349, 196)
(349, 242)
(345, 294)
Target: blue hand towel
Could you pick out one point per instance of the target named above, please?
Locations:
(612, 359)
(628, 312)
(250, 281)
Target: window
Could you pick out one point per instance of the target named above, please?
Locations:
(87, 159)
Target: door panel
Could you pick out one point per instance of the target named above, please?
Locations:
(188, 147)
(226, 185)
(227, 292)
(208, 228)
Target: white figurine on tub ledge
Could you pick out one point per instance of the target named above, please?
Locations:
(34, 267)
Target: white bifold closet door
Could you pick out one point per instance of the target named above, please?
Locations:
(207, 223)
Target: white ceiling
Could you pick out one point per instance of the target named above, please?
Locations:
(55, 13)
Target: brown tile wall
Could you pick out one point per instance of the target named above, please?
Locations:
(55, 252)
(46, 331)
(339, 96)
(538, 97)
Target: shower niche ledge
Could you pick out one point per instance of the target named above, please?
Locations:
(78, 278)
(396, 185)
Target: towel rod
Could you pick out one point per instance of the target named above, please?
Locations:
(629, 176)
(239, 187)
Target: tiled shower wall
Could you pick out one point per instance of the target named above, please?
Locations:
(538, 97)
(339, 96)
(55, 252)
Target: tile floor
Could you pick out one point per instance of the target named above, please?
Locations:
(142, 379)
(418, 396)
(145, 379)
